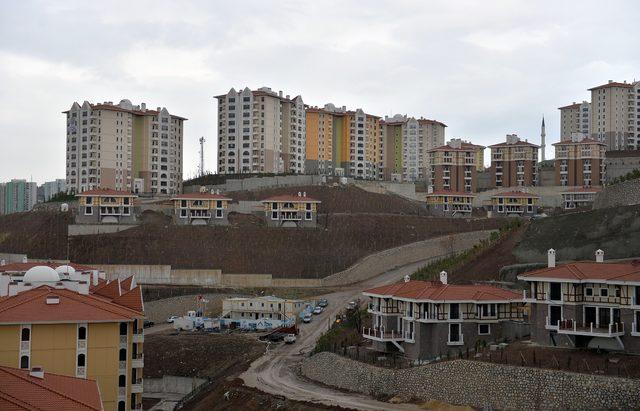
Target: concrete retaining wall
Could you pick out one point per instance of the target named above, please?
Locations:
(407, 190)
(172, 385)
(407, 254)
(549, 196)
(478, 384)
(12, 258)
(90, 229)
(257, 183)
(620, 194)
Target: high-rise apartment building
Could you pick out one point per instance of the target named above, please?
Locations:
(260, 131)
(406, 143)
(455, 165)
(343, 142)
(51, 188)
(580, 162)
(114, 145)
(575, 118)
(514, 163)
(615, 113)
(70, 321)
(17, 196)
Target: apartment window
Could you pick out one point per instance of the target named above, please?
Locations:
(604, 292)
(82, 333)
(218, 213)
(26, 334)
(123, 329)
(274, 215)
(588, 291)
(24, 362)
(122, 381)
(183, 203)
(484, 329)
(307, 215)
(88, 200)
(126, 211)
(88, 211)
(183, 213)
(81, 360)
(122, 406)
(274, 206)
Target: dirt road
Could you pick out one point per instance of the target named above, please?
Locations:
(275, 372)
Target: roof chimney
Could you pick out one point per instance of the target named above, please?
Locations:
(299, 194)
(24, 259)
(37, 372)
(3, 262)
(304, 194)
(599, 256)
(551, 258)
(407, 278)
(443, 277)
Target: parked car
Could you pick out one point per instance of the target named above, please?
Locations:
(148, 323)
(538, 216)
(171, 319)
(323, 303)
(317, 310)
(352, 305)
(306, 318)
(290, 338)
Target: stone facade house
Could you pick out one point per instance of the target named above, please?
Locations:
(201, 209)
(589, 304)
(514, 203)
(445, 203)
(291, 211)
(427, 319)
(105, 206)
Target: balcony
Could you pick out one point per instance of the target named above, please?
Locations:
(137, 361)
(383, 310)
(138, 338)
(136, 387)
(572, 327)
(379, 334)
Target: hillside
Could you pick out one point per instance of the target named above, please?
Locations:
(248, 247)
(341, 199)
(576, 236)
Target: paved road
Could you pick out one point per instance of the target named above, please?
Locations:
(274, 372)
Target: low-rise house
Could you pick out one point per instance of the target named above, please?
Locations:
(36, 390)
(445, 203)
(427, 319)
(201, 209)
(585, 304)
(514, 203)
(291, 210)
(105, 206)
(579, 197)
(260, 312)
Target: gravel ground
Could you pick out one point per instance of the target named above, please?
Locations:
(158, 311)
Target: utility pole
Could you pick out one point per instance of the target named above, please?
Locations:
(202, 140)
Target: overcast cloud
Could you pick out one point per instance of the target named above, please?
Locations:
(485, 68)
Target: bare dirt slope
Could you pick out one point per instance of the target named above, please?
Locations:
(38, 234)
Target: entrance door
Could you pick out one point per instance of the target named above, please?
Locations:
(589, 316)
(555, 291)
(616, 316)
(454, 311)
(605, 316)
(555, 314)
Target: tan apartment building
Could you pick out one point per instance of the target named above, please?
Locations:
(585, 304)
(575, 118)
(615, 116)
(260, 131)
(455, 165)
(71, 322)
(579, 162)
(514, 163)
(406, 142)
(123, 147)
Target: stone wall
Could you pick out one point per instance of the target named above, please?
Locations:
(172, 384)
(257, 183)
(407, 190)
(619, 163)
(92, 229)
(478, 384)
(390, 259)
(620, 194)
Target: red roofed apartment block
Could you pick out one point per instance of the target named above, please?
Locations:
(427, 319)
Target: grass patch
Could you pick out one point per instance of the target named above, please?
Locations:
(432, 270)
(344, 333)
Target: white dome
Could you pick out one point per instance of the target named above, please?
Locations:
(65, 269)
(39, 274)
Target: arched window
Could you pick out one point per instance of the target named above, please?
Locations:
(122, 381)
(123, 354)
(123, 328)
(81, 360)
(121, 406)
(26, 334)
(24, 362)
(82, 333)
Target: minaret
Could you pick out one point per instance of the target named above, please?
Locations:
(542, 137)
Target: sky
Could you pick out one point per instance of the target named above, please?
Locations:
(484, 68)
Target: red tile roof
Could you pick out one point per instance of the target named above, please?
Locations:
(436, 291)
(291, 199)
(106, 192)
(21, 391)
(515, 194)
(463, 147)
(31, 307)
(588, 271)
(110, 290)
(517, 143)
(612, 84)
(125, 284)
(450, 193)
(427, 121)
(586, 140)
(574, 105)
(131, 299)
(201, 196)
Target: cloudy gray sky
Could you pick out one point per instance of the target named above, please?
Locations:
(485, 68)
